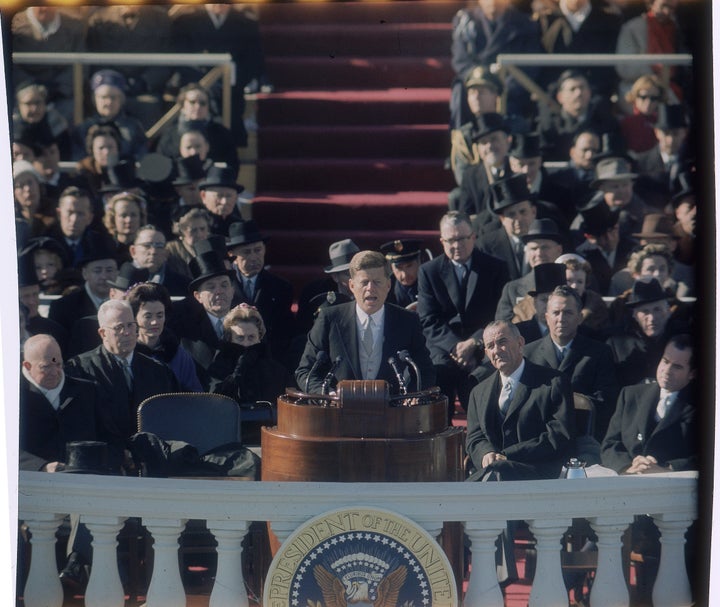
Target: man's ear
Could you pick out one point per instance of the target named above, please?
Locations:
(26, 365)
(196, 295)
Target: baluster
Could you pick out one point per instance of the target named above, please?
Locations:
(483, 589)
(609, 588)
(104, 588)
(42, 588)
(166, 589)
(548, 589)
(229, 588)
(672, 588)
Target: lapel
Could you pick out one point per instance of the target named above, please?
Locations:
(348, 331)
(66, 395)
(549, 353)
(115, 375)
(447, 272)
(522, 393)
(646, 419)
(259, 283)
(472, 280)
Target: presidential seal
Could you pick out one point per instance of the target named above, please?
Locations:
(360, 557)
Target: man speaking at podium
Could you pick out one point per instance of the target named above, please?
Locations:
(356, 340)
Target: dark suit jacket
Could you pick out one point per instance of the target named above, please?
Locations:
(118, 410)
(475, 193)
(498, 244)
(446, 319)
(601, 270)
(633, 430)
(589, 366)
(511, 292)
(530, 330)
(335, 332)
(402, 296)
(70, 308)
(44, 432)
(536, 433)
(89, 241)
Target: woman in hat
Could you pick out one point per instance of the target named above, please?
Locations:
(124, 214)
(50, 262)
(28, 192)
(190, 225)
(150, 304)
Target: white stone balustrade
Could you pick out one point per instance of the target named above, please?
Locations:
(165, 504)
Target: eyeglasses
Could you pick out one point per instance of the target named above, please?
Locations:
(650, 97)
(150, 245)
(457, 240)
(130, 327)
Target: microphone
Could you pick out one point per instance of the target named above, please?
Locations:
(392, 361)
(404, 356)
(322, 359)
(330, 375)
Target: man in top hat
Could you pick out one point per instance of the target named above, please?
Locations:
(543, 244)
(359, 337)
(336, 281)
(458, 292)
(604, 248)
(404, 257)
(98, 268)
(256, 286)
(586, 362)
(660, 166)
(577, 110)
(513, 207)
(219, 193)
(637, 348)
(491, 137)
(615, 179)
(547, 276)
(188, 174)
(197, 320)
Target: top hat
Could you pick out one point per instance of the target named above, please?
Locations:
(109, 77)
(341, 252)
(547, 277)
(612, 169)
(27, 276)
(656, 225)
(487, 123)
(526, 145)
(482, 76)
(128, 276)
(543, 229)
(612, 145)
(509, 191)
(188, 170)
(121, 177)
(597, 216)
(646, 291)
(220, 177)
(95, 248)
(244, 232)
(685, 186)
(671, 117)
(403, 249)
(89, 457)
(207, 263)
(45, 243)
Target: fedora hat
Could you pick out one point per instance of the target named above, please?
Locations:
(188, 170)
(526, 145)
(403, 249)
(548, 276)
(89, 457)
(244, 232)
(341, 252)
(645, 291)
(482, 76)
(597, 216)
(509, 191)
(671, 116)
(220, 177)
(656, 225)
(207, 263)
(128, 275)
(612, 169)
(543, 229)
(487, 123)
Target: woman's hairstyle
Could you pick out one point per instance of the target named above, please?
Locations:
(146, 292)
(184, 221)
(101, 130)
(650, 250)
(244, 313)
(646, 81)
(192, 86)
(109, 217)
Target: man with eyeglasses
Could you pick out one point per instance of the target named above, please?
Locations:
(457, 296)
(123, 377)
(149, 258)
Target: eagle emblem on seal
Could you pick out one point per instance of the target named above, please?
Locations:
(360, 586)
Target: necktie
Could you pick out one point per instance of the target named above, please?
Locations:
(663, 406)
(520, 255)
(127, 372)
(249, 290)
(505, 396)
(561, 355)
(219, 330)
(368, 340)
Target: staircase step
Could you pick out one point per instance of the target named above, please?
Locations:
(423, 140)
(359, 72)
(354, 107)
(353, 174)
(343, 40)
(402, 210)
(358, 12)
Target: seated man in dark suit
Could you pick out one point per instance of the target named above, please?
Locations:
(586, 362)
(404, 257)
(360, 336)
(124, 377)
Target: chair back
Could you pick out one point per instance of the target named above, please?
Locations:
(200, 419)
